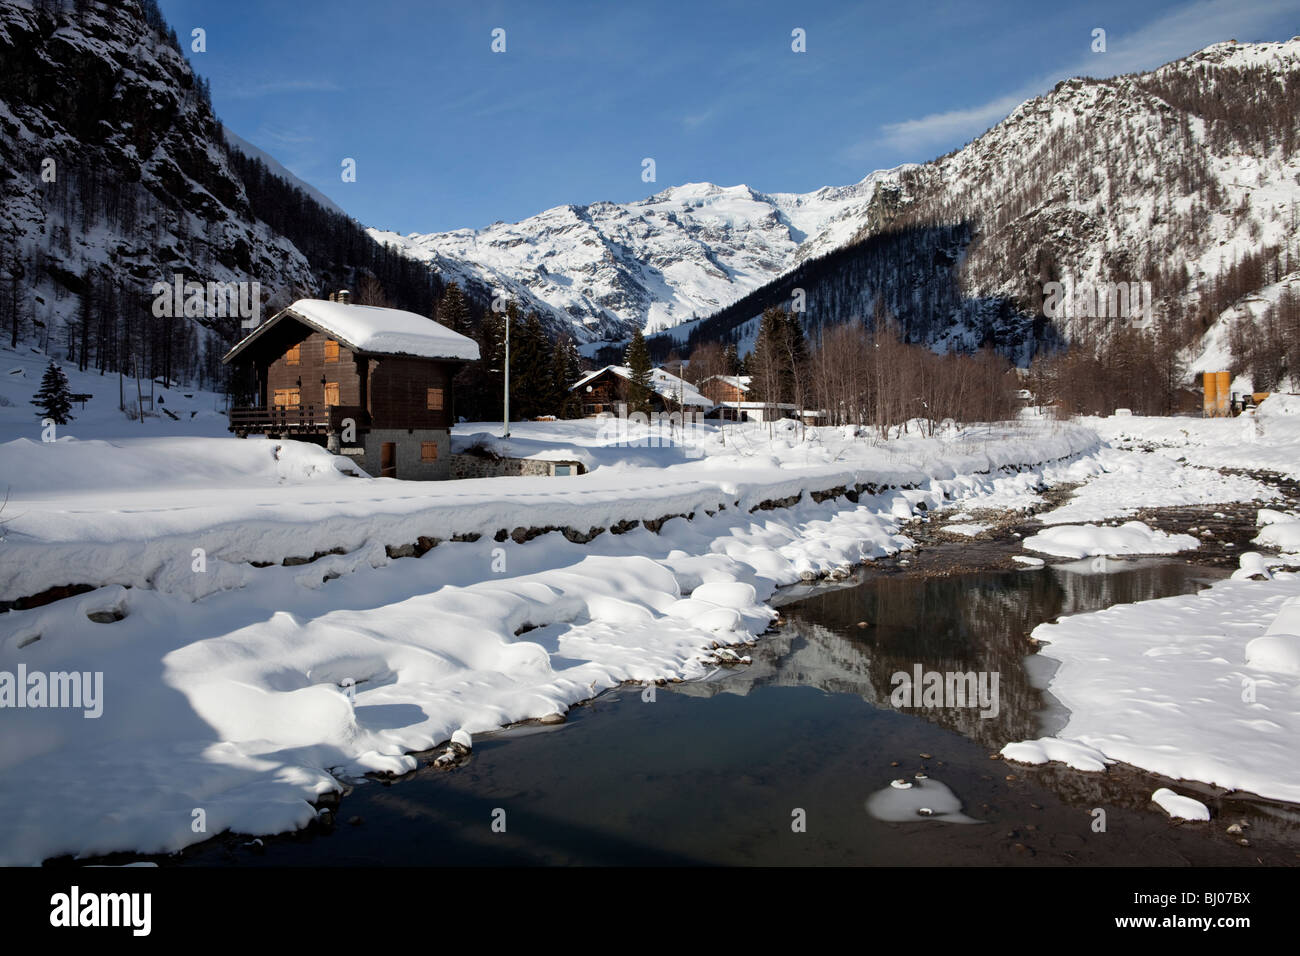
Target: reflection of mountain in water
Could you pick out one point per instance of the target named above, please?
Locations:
(959, 623)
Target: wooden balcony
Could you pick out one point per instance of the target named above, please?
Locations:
(296, 419)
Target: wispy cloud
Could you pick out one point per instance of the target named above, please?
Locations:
(1171, 36)
(696, 120)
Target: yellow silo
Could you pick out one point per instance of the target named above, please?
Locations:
(1224, 393)
(1211, 404)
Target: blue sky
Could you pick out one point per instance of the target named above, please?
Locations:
(448, 134)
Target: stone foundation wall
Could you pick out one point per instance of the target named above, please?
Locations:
(476, 466)
(410, 467)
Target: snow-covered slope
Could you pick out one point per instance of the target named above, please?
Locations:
(605, 268)
(1172, 176)
(129, 182)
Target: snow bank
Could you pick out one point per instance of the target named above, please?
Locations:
(1132, 537)
(1045, 749)
(1178, 806)
(1279, 649)
(1120, 482)
(243, 505)
(1269, 440)
(1281, 535)
(1179, 687)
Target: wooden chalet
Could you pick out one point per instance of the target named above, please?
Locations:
(370, 383)
(726, 388)
(605, 392)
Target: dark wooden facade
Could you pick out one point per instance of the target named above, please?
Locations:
(718, 390)
(391, 413)
(297, 366)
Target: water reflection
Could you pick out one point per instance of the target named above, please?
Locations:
(970, 623)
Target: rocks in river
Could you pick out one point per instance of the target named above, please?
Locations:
(461, 742)
(863, 624)
(556, 718)
(900, 784)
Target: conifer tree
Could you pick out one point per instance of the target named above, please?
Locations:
(54, 398)
(566, 368)
(638, 362)
(453, 310)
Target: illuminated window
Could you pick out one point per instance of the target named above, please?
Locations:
(428, 451)
(285, 397)
(332, 393)
(435, 399)
(293, 356)
(331, 350)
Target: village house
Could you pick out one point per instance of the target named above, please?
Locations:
(732, 400)
(373, 384)
(606, 392)
(726, 388)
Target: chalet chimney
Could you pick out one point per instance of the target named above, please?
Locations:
(331, 296)
(344, 296)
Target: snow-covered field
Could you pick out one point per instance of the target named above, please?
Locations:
(234, 687)
(226, 687)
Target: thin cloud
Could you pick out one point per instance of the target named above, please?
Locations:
(1172, 36)
(696, 120)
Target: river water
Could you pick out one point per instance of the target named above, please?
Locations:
(775, 762)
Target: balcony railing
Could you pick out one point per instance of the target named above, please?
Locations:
(296, 419)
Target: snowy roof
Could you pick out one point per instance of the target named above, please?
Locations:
(663, 383)
(735, 381)
(369, 328)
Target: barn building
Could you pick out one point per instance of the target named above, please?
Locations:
(370, 383)
(605, 392)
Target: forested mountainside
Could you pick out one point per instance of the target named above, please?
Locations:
(1187, 177)
(115, 175)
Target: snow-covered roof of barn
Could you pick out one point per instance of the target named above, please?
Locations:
(664, 383)
(369, 328)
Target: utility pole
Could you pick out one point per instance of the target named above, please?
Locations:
(505, 431)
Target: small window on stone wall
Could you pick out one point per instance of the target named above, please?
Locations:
(428, 451)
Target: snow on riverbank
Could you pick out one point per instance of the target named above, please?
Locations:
(1181, 687)
(1121, 482)
(231, 697)
(1269, 440)
(131, 512)
(1085, 541)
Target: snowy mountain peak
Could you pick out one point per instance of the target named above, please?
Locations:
(599, 270)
